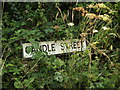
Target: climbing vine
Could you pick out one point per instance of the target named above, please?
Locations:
(96, 67)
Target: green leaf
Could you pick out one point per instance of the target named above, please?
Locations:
(27, 82)
(34, 43)
(29, 49)
(18, 84)
(22, 23)
(58, 62)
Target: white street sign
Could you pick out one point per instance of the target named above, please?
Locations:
(56, 47)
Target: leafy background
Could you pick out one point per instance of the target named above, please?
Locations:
(97, 67)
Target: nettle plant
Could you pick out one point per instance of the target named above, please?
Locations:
(96, 67)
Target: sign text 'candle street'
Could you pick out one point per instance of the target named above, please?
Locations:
(56, 47)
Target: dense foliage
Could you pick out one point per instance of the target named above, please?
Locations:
(96, 67)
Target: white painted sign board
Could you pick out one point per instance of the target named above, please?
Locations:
(57, 47)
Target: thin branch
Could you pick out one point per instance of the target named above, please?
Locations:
(99, 51)
(31, 68)
(60, 12)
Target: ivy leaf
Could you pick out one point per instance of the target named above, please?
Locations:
(58, 62)
(27, 82)
(22, 23)
(29, 49)
(18, 84)
(34, 43)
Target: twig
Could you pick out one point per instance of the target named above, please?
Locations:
(2, 57)
(31, 68)
(60, 11)
(94, 47)
(4, 50)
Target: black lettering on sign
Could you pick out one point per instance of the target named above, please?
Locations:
(67, 45)
(74, 45)
(40, 49)
(31, 49)
(44, 47)
(62, 46)
(26, 50)
(53, 47)
(78, 44)
(71, 45)
(48, 46)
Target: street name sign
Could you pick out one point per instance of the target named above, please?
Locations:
(56, 47)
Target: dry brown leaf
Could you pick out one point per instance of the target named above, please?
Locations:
(78, 8)
(91, 15)
(65, 17)
(56, 27)
(83, 34)
(91, 23)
